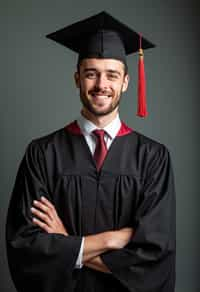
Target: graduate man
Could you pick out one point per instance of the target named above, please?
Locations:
(93, 205)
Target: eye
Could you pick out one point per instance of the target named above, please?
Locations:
(112, 76)
(90, 75)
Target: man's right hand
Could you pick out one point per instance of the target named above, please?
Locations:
(97, 244)
(120, 238)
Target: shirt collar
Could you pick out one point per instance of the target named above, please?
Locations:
(111, 129)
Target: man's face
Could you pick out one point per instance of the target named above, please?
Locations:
(101, 83)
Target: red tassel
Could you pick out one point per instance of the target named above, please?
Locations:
(142, 105)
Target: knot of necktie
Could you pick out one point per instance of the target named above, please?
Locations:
(99, 133)
(101, 148)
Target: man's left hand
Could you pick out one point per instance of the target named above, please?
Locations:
(47, 217)
(48, 220)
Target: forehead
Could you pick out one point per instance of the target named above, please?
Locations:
(102, 64)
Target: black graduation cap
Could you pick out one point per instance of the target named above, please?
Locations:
(103, 36)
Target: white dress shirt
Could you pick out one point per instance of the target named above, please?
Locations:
(87, 127)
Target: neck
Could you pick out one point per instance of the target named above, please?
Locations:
(99, 121)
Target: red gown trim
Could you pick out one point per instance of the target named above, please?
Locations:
(124, 130)
(75, 129)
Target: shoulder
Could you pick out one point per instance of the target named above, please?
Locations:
(153, 158)
(144, 147)
(145, 143)
(149, 143)
(140, 140)
(154, 154)
(45, 142)
(146, 150)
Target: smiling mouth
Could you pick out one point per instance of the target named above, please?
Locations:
(100, 96)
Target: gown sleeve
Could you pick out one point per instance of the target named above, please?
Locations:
(147, 262)
(38, 261)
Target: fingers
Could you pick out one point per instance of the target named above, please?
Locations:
(48, 203)
(43, 225)
(43, 211)
(46, 207)
(47, 217)
(42, 216)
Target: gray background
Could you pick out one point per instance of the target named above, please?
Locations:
(38, 96)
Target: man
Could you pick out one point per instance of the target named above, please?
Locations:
(93, 206)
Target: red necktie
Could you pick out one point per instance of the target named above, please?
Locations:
(101, 149)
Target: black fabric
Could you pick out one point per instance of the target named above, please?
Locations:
(102, 44)
(100, 36)
(135, 189)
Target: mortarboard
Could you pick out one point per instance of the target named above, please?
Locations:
(103, 36)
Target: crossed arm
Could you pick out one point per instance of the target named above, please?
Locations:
(47, 218)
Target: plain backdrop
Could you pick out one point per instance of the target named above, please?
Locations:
(38, 96)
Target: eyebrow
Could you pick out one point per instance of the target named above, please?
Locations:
(109, 71)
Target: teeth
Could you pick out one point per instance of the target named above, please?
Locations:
(101, 96)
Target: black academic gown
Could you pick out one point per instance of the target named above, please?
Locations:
(134, 188)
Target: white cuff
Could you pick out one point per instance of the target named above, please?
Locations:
(79, 264)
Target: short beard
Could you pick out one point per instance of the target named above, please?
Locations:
(88, 106)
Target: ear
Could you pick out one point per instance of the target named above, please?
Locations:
(125, 83)
(77, 79)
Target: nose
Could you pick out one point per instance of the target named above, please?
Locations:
(102, 82)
